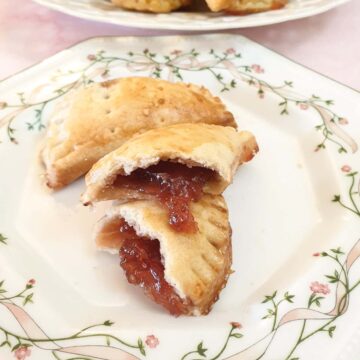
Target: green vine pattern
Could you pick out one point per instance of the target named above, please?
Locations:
(353, 195)
(25, 342)
(318, 292)
(201, 351)
(273, 312)
(20, 343)
(226, 67)
(3, 239)
(25, 294)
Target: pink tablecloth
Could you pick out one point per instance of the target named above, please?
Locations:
(328, 43)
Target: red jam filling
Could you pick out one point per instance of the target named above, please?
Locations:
(174, 185)
(140, 258)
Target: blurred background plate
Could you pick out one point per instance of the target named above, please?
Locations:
(197, 18)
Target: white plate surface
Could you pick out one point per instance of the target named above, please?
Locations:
(298, 198)
(103, 10)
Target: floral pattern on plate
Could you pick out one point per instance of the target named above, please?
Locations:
(317, 306)
(176, 62)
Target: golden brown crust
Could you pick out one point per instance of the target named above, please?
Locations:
(219, 148)
(244, 7)
(218, 5)
(97, 119)
(197, 265)
(155, 6)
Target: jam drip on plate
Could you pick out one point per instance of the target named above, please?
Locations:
(174, 185)
(140, 258)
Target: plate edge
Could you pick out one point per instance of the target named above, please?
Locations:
(212, 35)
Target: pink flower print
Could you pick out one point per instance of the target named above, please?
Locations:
(31, 282)
(346, 168)
(236, 325)
(257, 68)
(261, 94)
(91, 57)
(318, 288)
(22, 352)
(303, 106)
(230, 51)
(343, 121)
(152, 341)
(316, 254)
(176, 52)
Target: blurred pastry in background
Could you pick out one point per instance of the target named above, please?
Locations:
(235, 7)
(243, 7)
(154, 6)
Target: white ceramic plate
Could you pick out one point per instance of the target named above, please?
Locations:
(297, 200)
(103, 10)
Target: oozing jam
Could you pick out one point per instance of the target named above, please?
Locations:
(174, 185)
(140, 258)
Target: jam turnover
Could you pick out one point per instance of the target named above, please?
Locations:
(170, 224)
(175, 165)
(183, 272)
(174, 185)
(94, 120)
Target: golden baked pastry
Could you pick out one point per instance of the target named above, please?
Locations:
(174, 164)
(219, 149)
(183, 273)
(155, 6)
(99, 118)
(243, 7)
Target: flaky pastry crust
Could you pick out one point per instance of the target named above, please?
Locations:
(243, 7)
(196, 265)
(95, 120)
(155, 6)
(221, 149)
